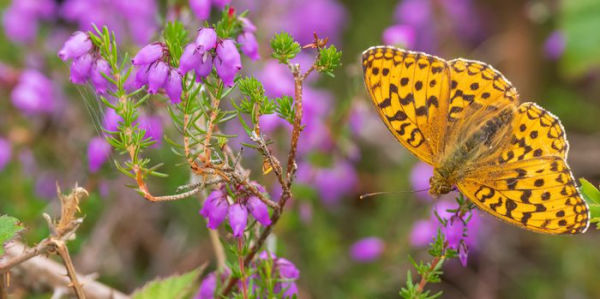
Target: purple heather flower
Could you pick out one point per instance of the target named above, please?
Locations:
(207, 287)
(228, 61)
(189, 59)
(399, 35)
(249, 45)
(20, 19)
(336, 182)
(555, 44)
(173, 86)
(215, 208)
(100, 83)
(277, 79)
(148, 54)
(78, 44)
(81, 68)
(419, 178)
(45, 185)
(247, 25)
(287, 270)
(111, 119)
(141, 76)
(423, 231)
(204, 68)
(34, 93)
(206, 40)
(238, 218)
(157, 76)
(5, 152)
(98, 153)
(367, 250)
(259, 210)
(201, 8)
(153, 127)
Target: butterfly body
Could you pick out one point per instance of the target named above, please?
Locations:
(464, 118)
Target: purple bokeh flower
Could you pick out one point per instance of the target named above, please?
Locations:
(555, 44)
(419, 179)
(215, 208)
(21, 17)
(238, 217)
(135, 19)
(34, 93)
(336, 182)
(399, 35)
(326, 17)
(98, 153)
(228, 61)
(423, 231)
(200, 8)
(153, 127)
(367, 249)
(5, 152)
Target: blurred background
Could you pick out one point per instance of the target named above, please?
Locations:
(345, 247)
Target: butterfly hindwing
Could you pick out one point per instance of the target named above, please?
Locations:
(530, 183)
(410, 91)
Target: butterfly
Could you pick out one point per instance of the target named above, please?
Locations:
(464, 118)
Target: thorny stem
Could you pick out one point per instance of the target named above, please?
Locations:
(288, 179)
(242, 271)
(62, 250)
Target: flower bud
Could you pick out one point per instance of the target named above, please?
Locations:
(206, 40)
(98, 80)
(173, 86)
(190, 59)
(238, 216)
(215, 208)
(98, 153)
(148, 54)
(81, 68)
(259, 210)
(249, 45)
(157, 76)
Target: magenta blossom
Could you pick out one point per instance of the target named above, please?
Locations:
(98, 153)
(215, 208)
(367, 250)
(336, 182)
(228, 62)
(110, 120)
(78, 44)
(555, 44)
(399, 35)
(206, 40)
(249, 45)
(148, 54)
(207, 287)
(100, 69)
(259, 210)
(201, 8)
(20, 19)
(81, 68)
(238, 217)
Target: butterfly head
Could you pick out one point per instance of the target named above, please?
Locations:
(440, 184)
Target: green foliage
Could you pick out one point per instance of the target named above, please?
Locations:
(177, 286)
(176, 36)
(579, 22)
(284, 47)
(329, 59)
(591, 194)
(229, 26)
(285, 108)
(9, 228)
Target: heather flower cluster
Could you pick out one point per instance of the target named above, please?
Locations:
(22, 17)
(273, 276)
(154, 71)
(34, 93)
(217, 207)
(87, 64)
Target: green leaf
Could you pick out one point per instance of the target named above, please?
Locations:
(590, 193)
(9, 228)
(579, 22)
(284, 47)
(329, 59)
(177, 286)
(175, 37)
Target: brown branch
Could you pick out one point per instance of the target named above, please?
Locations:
(42, 269)
(62, 250)
(4, 284)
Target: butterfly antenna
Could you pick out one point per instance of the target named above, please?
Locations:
(366, 195)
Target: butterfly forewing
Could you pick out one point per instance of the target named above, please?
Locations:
(410, 92)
